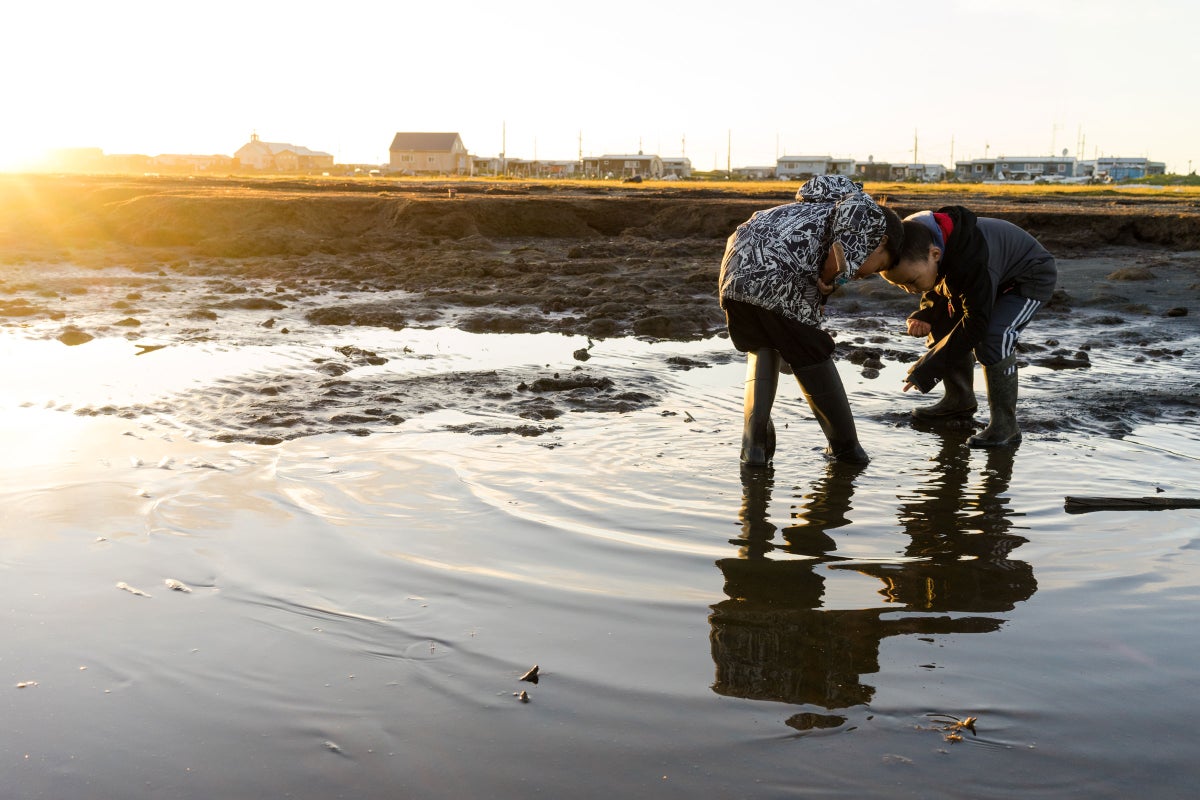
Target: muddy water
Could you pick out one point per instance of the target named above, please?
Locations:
(365, 594)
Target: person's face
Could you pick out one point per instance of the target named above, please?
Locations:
(915, 276)
(878, 261)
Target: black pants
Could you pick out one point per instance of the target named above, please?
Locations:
(754, 328)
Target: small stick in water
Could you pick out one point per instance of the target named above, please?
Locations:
(1082, 505)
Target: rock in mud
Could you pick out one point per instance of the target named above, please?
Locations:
(73, 336)
(1131, 274)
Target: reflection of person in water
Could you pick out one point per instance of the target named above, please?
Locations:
(772, 640)
(962, 540)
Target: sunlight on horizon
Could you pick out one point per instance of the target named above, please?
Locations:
(147, 81)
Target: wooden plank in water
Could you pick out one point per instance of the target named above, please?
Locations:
(1082, 505)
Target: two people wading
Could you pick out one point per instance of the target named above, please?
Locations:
(980, 281)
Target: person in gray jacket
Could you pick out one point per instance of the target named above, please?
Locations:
(779, 267)
(981, 281)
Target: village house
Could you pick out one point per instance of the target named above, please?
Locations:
(929, 173)
(872, 170)
(128, 164)
(623, 166)
(558, 169)
(801, 167)
(413, 153)
(176, 162)
(1115, 168)
(1020, 168)
(281, 157)
(679, 167)
(789, 168)
(754, 173)
(519, 168)
(487, 165)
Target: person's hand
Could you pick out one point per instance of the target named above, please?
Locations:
(825, 288)
(909, 385)
(917, 327)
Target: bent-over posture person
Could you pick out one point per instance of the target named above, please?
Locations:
(779, 267)
(981, 280)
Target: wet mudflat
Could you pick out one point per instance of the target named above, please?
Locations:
(243, 562)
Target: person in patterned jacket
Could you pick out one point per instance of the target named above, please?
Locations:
(779, 267)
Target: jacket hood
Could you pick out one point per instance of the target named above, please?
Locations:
(827, 189)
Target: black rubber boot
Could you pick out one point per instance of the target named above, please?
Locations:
(758, 432)
(959, 400)
(1002, 430)
(822, 388)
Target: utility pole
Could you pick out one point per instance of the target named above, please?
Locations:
(729, 153)
(952, 167)
(915, 146)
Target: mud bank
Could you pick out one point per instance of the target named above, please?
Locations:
(481, 257)
(287, 264)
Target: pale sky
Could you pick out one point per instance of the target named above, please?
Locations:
(756, 80)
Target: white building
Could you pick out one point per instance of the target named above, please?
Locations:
(281, 156)
(679, 167)
(801, 167)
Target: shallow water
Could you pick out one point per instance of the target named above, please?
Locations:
(362, 607)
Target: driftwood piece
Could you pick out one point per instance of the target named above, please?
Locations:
(1082, 505)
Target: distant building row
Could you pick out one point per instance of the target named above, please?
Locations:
(1053, 169)
(418, 153)
(1007, 169)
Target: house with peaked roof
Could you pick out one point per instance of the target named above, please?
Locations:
(429, 154)
(281, 156)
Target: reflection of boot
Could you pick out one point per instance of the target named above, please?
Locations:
(1002, 430)
(826, 397)
(758, 432)
(754, 517)
(959, 383)
(825, 508)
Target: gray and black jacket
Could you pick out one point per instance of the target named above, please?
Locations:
(982, 259)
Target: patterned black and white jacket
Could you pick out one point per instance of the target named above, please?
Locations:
(774, 258)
